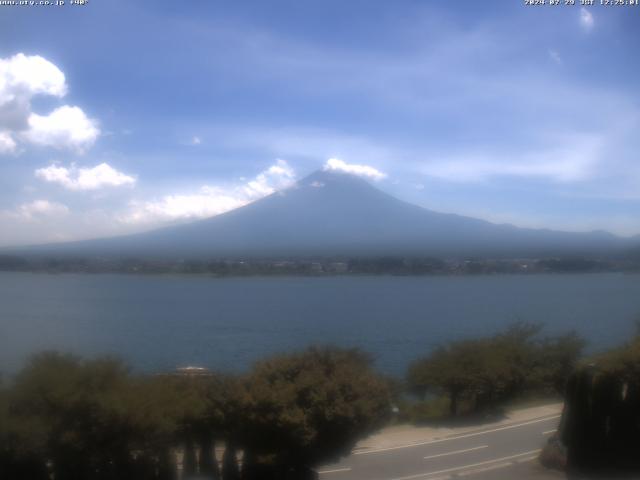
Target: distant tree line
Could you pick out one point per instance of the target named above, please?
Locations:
(379, 265)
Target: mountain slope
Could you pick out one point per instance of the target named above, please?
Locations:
(330, 213)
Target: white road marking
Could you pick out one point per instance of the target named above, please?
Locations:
(528, 459)
(496, 461)
(548, 432)
(455, 452)
(476, 471)
(494, 467)
(335, 470)
(474, 434)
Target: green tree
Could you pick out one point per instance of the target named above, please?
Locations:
(458, 370)
(556, 358)
(76, 407)
(489, 371)
(90, 419)
(311, 407)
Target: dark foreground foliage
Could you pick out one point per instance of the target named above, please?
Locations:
(72, 419)
(601, 421)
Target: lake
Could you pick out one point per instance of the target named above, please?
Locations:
(161, 322)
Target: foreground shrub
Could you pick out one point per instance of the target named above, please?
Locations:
(312, 407)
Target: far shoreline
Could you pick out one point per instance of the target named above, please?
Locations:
(321, 266)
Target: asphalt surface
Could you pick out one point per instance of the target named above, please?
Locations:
(493, 452)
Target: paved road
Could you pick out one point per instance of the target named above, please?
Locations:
(493, 452)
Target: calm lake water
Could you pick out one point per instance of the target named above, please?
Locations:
(160, 322)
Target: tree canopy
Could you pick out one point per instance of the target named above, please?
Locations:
(489, 371)
(78, 419)
(310, 407)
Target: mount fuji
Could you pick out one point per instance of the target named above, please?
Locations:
(330, 213)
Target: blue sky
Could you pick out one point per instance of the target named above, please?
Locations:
(119, 116)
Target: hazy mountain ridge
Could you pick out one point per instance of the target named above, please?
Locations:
(334, 214)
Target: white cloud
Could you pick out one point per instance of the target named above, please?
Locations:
(7, 144)
(336, 165)
(41, 208)
(276, 177)
(210, 200)
(196, 140)
(102, 175)
(26, 76)
(65, 127)
(586, 19)
(23, 77)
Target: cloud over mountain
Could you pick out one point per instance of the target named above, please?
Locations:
(366, 171)
(210, 200)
